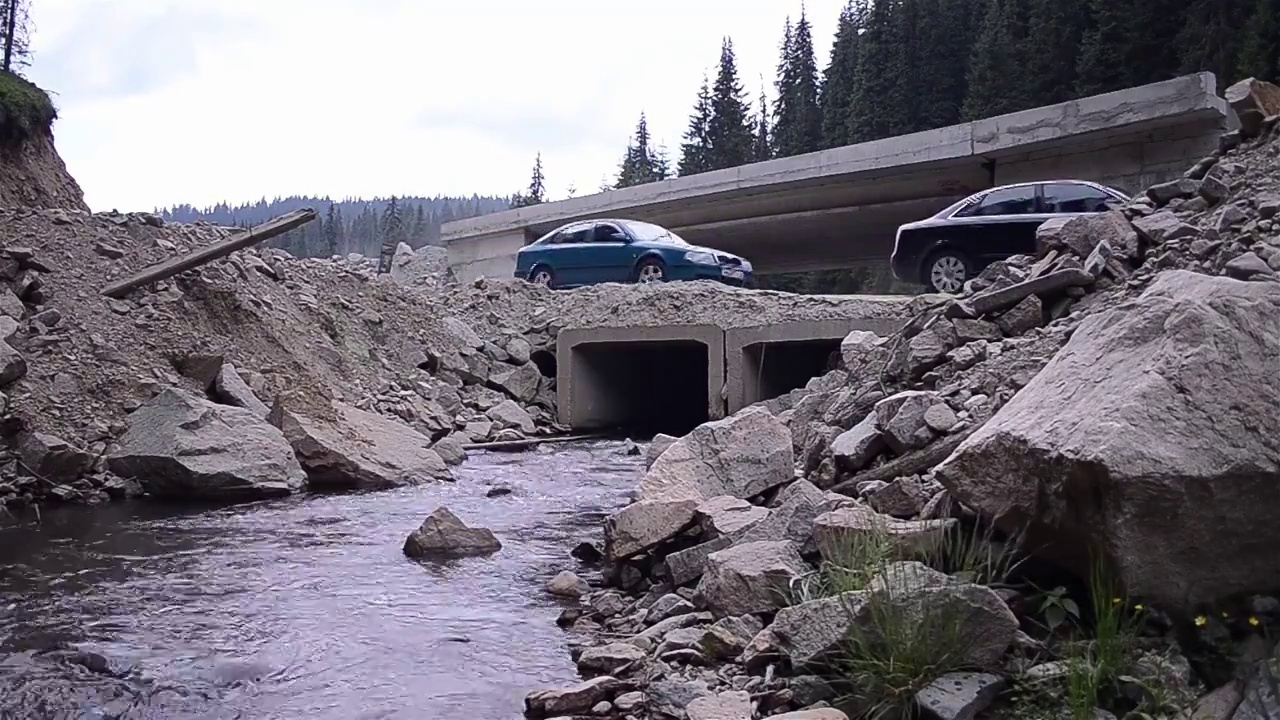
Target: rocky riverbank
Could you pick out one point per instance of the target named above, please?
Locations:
(1051, 497)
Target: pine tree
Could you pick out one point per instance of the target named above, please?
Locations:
(730, 136)
(537, 192)
(639, 164)
(997, 70)
(797, 115)
(763, 146)
(839, 78)
(1260, 50)
(871, 111)
(1211, 39)
(942, 43)
(332, 230)
(1104, 52)
(15, 34)
(392, 224)
(695, 150)
(661, 163)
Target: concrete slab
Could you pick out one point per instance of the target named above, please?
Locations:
(661, 378)
(766, 361)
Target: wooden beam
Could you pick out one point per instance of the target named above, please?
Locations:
(913, 463)
(208, 253)
(526, 443)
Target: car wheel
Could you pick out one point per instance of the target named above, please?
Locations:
(543, 276)
(947, 272)
(651, 270)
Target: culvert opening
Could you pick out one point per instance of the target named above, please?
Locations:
(643, 388)
(776, 368)
(545, 361)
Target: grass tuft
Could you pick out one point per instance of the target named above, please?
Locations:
(25, 110)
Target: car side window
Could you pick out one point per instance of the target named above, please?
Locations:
(1008, 201)
(572, 235)
(605, 232)
(1074, 198)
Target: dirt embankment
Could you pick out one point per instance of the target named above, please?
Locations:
(32, 174)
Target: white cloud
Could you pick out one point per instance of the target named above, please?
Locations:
(171, 101)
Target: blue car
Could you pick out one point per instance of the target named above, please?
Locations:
(599, 251)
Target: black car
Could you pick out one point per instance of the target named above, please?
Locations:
(944, 251)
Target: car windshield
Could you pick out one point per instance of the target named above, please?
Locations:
(647, 232)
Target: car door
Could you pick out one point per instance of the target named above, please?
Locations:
(1001, 224)
(570, 255)
(611, 256)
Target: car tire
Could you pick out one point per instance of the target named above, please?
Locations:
(946, 271)
(542, 275)
(650, 270)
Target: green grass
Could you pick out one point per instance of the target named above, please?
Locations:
(25, 110)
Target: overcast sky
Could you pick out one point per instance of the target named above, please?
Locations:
(171, 101)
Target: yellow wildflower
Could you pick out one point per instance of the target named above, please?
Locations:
(1201, 621)
(1253, 621)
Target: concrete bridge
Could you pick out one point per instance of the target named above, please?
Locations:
(840, 207)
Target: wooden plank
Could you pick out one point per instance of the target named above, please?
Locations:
(913, 463)
(208, 253)
(525, 444)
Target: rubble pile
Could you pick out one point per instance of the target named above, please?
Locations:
(370, 379)
(1106, 409)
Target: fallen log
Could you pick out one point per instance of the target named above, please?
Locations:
(208, 253)
(912, 463)
(526, 443)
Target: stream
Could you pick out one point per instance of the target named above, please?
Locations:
(301, 608)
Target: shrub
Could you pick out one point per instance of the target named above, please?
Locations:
(25, 110)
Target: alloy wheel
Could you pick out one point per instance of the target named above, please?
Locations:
(543, 278)
(652, 273)
(948, 274)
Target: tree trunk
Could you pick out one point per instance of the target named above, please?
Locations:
(10, 31)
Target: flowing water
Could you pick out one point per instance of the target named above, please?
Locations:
(305, 608)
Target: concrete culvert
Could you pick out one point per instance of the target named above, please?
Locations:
(643, 380)
(545, 360)
(773, 369)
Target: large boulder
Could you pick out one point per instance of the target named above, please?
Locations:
(1151, 436)
(358, 449)
(740, 456)
(185, 447)
(442, 534)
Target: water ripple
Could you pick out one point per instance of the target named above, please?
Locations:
(303, 607)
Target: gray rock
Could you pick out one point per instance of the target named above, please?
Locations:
(741, 456)
(520, 382)
(9, 328)
(731, 705)
(1026, 315)
(609, 659)
(928, 349)
(994, 301)
(959, 695)
(667, 606)
(463, 333)
(1216, 186)
(687, 565)
(629, 702)
(750, 578)
(567, 584)
(358, 449)
(507, 414)
(909, 538)
(1174, 392)
(53, 458)
(901, 418)
(10, 305)
(450, 449)
(1164, 226)
(13, 366)
(969, 354)
(940, 417)
(1162, 193)
(442, 534)
(968, 331)
(231, 389)
(181, 446)
(1246, 266)
(903, 497)
(799, 504)
(672, 695)
(1079, 235)
(815, 714)
(729, 637)
(574, 699)
(727, 515)
(861, 350)
(854, 449)
(657, 446)
(518, 350)
(1096, 263)
(1229, 217)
